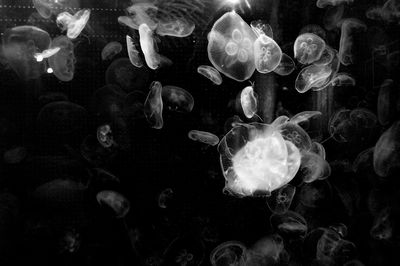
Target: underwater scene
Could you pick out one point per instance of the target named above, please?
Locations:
(199, 132)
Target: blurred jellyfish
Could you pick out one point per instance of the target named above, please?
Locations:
(165, 197)
(267, 54)
(177, 99)
(325, 3)
(363, 159)
(341, 79)
(133, 53)
(104, 136)
(73, 24)
(387, 151)
(46, 8)
(290, 225)
(363, 118)
(308, 48)
(348, 28)
(339, 228)
(312, 77)
(232, 122)
(353, 263)
(387, 101)
(111, 50)
(230, 47)
(114, 200)
(340, 125)
(281, 199)
(315, 194)
(108, 101)
(248, 101)
(286, 66)
(210, 73)
(20, 45)
(229, 253)
(332, 17)
(139, 13)
(389, 12)
(261, 27)
(382, 229)
(46, 53)
(63, 62)
(313, 167)
(153, 106)
(318, 149)
(269, 250)
(15, 155)
(204, 137)
(304, 116)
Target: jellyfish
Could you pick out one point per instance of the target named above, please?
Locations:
(339, 125)
(111, 50)
(363, 160)
(204, 137)
(261, 27)
(20, 45)
(46, 53)
(177, 99)
(328, 54)
(340, 229)
(363, 118)
(313, 167)
(290, 225)
(286, 66)
(387, 151)
(266, 251)
(248, 101)
(333, 17)
(382, 229)
(164, 198)
(267, 54)
(210, 73)
(332, 248)
(281, 199)
(153, 106)
(46, 8)
(312, 77)
(295, 134)
(133, 53)
(230, 47)
(108, 101)
(387, 101)
(341, 79)
(389, 12)
(318, 149)
(63, 63)
(119, 204)
(73, 24)
(228, 253)
(315, 194)
(308, 48)
(348, 28)
(325, 3)
(184, 250)
(104, 136)
(139, 13)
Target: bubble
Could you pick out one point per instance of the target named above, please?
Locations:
(348, 27)
(281, 199)
(116, 201)
(104, 136)
(261, 27)
(308, 48)
(133, 53)
(387, 101)
(177, 99)
(20, 44)
(232, 58)
(312, 77)
(63, 62)
(165, 197)
(153, 106)
(290, 225)
(73, 24)
(248, 101)
(304, 116)
(204, 137)
(286, 66)
(210, 73)
(325, 3)
(313, 167)
(228, 253)
(382, 228)
(111, 50)
(267, 54)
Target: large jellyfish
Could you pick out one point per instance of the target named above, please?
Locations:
(63, 63)
(230, 47)
(308, 48)
(348, 28)
(267, 54)
(387, 102)
(20, 45)
(153, 106)
(119, 204)
(110, 50)
(261, 27)
(73, 24)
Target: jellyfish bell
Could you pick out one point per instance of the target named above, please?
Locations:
(295, 134)
(281, 199)
(312, 77)
(111, 50)
(286, 66)
(149, 48)
(177, 99)
(73, 24)
(210, 73)
(290, 225)
(308, 48)
(139, 13)
(248, 101)
(63, 62)
(119, 204)
(267, 54)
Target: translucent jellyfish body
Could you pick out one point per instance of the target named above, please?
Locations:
(104, 136)
(312, 77)
(229, 253)
(110, 50)
(204, 137)
(281, 199)
(348, 27)
(153, 106)
(20, 45)
(308, 48)
(133, 53)
(230, 47)
(46, 8)
(210, 73)
(290, 225)
(63, 63)
(248, 101)
(73, 24)
(267, 54)
(175, 28)
(119, 204)
(261, 27)
(255, 158)
(177, 99)
(149, 48)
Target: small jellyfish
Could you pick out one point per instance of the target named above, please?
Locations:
(248, 101)
(343, 79)
(43, 8)
(316, 194)
(281, 199)
(318, 149)
(304, 116)
(111, 50)
(312, 77)
(290, 225)
(177, 99)
(286, 66)
(363, 118)
(261, 27)
(230, 47)
(210, 73)
(327, 56)
(204, 137)
(387, 101)
(340, 125)
(308, 48)
(313, 167)
(46, 53)
(388, 13)
(332, 17)
(175, 28)
(325, 3)
(348, 28)
(332, 248)
(63, 62)
(382, 229)
(165, 197)
(114, 200)
(228, 253)
(133, 53)
(363, 160)
(184, 250)
(267, 54)
(104, 136)
(73, 24)
(153, 106)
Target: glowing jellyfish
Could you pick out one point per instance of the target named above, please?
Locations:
(210, 73)
(382, 229)
(290, 225)
(248, 101)
(104, 136)
(340, 125)
(177, 99)
(153, 106)
(111, 50)
(267, 54)
(46, 53)
(304, 116)
(140, 14)
(281, 199)
(165, 197)
(387, 101)
(312, 77)
(387, 151)
(133, 53)
(73, 24)
(308, 48)
(348, 28)
(204, 137)
(63, 63)
(286, 66)
(230, 47)
(119, 204)
(20, 45)
(313, 167)
(256, 159)
(295, 134)
(261, 27)
(325, 3)
(228, 253)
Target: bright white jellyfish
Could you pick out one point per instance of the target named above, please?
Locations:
(267, 54)
(256, 159)
(248, 101)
